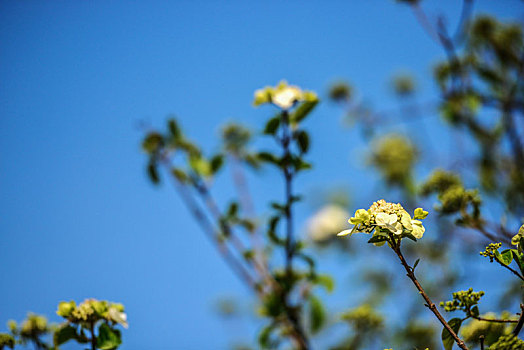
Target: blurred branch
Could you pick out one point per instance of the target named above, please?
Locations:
(465, 15)
(210, 232)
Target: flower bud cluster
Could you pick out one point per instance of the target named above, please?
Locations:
(462, 300)
(508, 342)
(92, 311)
(491, 251)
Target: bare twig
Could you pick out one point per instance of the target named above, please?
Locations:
(494, 320)
(429, 304)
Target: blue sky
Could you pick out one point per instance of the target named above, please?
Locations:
(78, 215)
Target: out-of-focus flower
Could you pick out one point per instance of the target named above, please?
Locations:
(117, 316)
(326, 222)
(283, 95)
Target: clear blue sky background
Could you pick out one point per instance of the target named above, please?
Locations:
(78, 217)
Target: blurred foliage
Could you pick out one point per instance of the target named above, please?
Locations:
(477, 192)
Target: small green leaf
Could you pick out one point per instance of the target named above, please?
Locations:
(475, 311)
(325, 281)
(216, 163)
(233, 209)
(415, 264)
(410, 236)
(272, 125)
(309, 260)
(180, 174)
(506, 257)
(108, 338)
(300, 164)
(152, 171)
(152, 142)
(174, 129)
(303, 141)
(269, 158)
(519, 258)
(302, 111)
(317, 314)
(264, 338)
(378, 238)
(64, 334)
(447, 338)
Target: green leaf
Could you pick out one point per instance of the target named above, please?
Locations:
(152, 171)
(325, 281)
(268, 158)
(378, 238)
(309, 261)
(475, 311)
(300, 164)
(152, 142)
(232, 210)
(174, 129)
(303, 141)
(271, 232)
(64, 334)
(216, 163)
(518, 256)
(447, 339)
(506, 257)
(264, 338)
(272, 125)
(317, 314)
(415, 264)
(302, 111)
(410, 236)
(180, 174)
(108, 338)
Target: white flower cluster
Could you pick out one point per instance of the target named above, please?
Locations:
(384, 217)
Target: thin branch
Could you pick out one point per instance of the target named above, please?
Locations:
(429, 304)
(494, 320)
(520, 323)
(515, 272)
(238, 244)
(467, 10)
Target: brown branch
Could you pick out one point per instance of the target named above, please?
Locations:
(494, 320)
(520, 323)
(429, 304)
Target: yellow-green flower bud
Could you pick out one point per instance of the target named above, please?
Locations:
(262, 96)
(100, 307)
(361, 216)
(420, 213)
(12, 325)
(65, 308)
